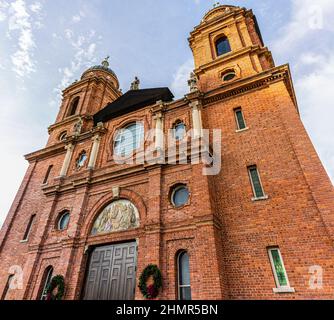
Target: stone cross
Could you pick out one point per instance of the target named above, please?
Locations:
(105, 62)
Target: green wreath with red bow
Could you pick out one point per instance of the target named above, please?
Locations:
(151, 291)
(57, 282)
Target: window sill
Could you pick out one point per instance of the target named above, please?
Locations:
(241, 130)
(24, 241)
(260, 198)
(284, 290)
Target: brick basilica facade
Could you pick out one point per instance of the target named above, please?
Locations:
(262, 228)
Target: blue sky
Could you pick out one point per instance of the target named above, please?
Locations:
(46, 44)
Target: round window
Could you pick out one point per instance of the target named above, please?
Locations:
(180, 196)
(229, 76)
(129, 139)
(63, 221)
(179, 131)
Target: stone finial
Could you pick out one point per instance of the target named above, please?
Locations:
(192, 82)
(105, 62)
(135, 84)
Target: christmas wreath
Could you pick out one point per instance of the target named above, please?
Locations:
(58, 283)
(150, 291)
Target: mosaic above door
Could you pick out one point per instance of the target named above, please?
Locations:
(119, 215)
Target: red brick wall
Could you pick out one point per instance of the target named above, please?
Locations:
(225, 233)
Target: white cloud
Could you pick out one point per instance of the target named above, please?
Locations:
(36, 7)
(78, 17)
(308, 17)
(307, 41)
(179, 85)
(20, 29)
(68, 34)
(316, 103)
(84, 47)
(3, 8)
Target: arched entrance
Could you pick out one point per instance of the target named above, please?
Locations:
(111, 273)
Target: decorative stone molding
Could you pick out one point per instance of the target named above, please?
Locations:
(197, 118)
(95, 150)
(252, 83)
(69, 152)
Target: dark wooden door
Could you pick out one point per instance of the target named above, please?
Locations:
(112, 273)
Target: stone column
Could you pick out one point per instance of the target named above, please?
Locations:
(159, 134)
(197, 121)
(95, 150)
(67, 160)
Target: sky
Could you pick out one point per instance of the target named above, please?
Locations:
(45, 45)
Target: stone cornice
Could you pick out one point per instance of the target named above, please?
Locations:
(205, 24)
(112, 172)
(60, 147)
(281, 73)
(232, 56)
(69, 120)
(46, 152)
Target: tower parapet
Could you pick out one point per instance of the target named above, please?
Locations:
(227, 45)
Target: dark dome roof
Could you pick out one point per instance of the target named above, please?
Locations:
(100, 67)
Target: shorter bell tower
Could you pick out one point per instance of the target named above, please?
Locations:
(227, 45)
(97, 87)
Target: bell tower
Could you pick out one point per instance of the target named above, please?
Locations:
(227, 45)
(97, 87)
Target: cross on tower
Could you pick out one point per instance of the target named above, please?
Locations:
(105, 62)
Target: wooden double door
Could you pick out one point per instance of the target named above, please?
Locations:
(111, 273)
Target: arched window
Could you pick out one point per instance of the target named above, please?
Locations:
(222, 46)
(74, 107)
(63, 221)
(183, 270)
(47, 276)
(129, 139)
(179, 130)
(7, 287)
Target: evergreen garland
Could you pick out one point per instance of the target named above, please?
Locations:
(59, 283)
(152, 291)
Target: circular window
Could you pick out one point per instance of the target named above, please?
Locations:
(81, 160)
(129, 139)
(180, 196)
(229, 76)
(63, 221)
(179, 131)
(63, 136)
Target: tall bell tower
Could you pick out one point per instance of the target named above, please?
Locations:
(227, 45)
(97, 87)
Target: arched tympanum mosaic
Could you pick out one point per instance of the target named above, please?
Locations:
(119, 215)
